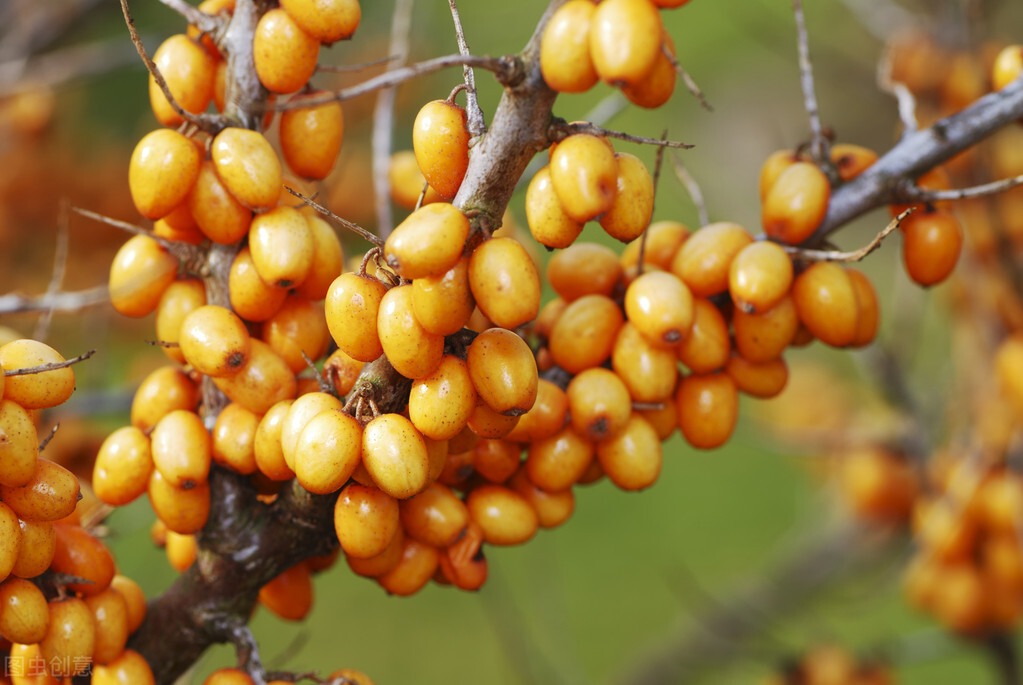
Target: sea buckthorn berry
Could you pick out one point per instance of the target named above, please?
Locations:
(233, 439)
(556, 463)
(366, 520)
(548, 415)
(79, 554)
(51, 494)
(931, 243)
(264, 380)
(189, 71)
(229, 676)
(181, 550)
(552, 508)
(328, 260)
(284, 55)
(504, 282)
(496, 460)
(139, 274)
(251, 297)
(70, 639)
(327, 452)
(584, 173)
(465, 575)
(703, 260)
(633, 205)
(267, 448)
(443, 303)
(342, 372)
(355, 676)
(395, 455)
(298, 326)
(183, 511)
(622, 42)
(505, 516)
(417, 564)
(191, 235)
(660, 306)
(503, 371)
(161, 392)
(878, 484)
(19, 444)
(290, 594)
(412, 350)
(598, 403)
(490, 424)
(299, 414)
(311, 136)
(584, 334)
(441, 403)
(129, 667)
(181, 449)
(867, 306)
(328, 21)
(708, 407)
(851, 160)
(352, 307)
(759, 276)
(122, 467)
(10, 541)
(762, 337)
(758, 379)
(248, 167)
(632, 458)
(1007, 67)
(429, 242)
(565, 60)
(110, 614)
(24, 613)
(545, 216)
(648, 372)
(407, 181)
(179, 221)
(659, 243)
(658, 86)
(282, 246)
(36, 547)
(776, 162)
(179, 299)
(163, 168)
(221, 218)
(826, 303)
(214, 341)
(440, 140)
(796, 203)
(134, 598)
(435, 517)
(707, 345)
(584, 269)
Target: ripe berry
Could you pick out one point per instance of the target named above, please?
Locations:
(851, 160)
(440, 140)
(122, 467)
(36, 547)
(776, 162)
(648, 371)
(110, 614)
(504, 516)
(1007, 67)
(417, 564)
(496, 460)
(79, 554)
(435, 517)
(181, 449)
(413, 351)
(183, 511)
(428, 243)
(487, 423)
(762, 337)
(598, 403)
(221, 218)
(262, 382)
(867, 306)
(758, 379)
(162, 391)
(708, 407)
(366, 520)
(282, 247)
(328, 21)
(584, 269)
(625, 40)
(704, 259)
(252, 298)
(545, 215)
(19, 444)
(440, 404)
(395, 455)
(796, 203)
(565, 60)
(407, 181)
(189, 71)
(290, 594)
(70, 639)
(660, 306)
(931, 243)
(139, 274)
(284, 55)
(706, 347)
(298, 327)
(129, 667)
(24, 613)
(504, 282)
(248, 167)
(826, 302)
(267, 447)
(214, 341)
(163, 168)
(660, 242)
(327, 451)
(548, 415)
(311, 137)
(584, 334)
(351, 308)
(555, 464)
(328, 260)
(51, 494)
(503, 371)
(658, 86)
(443, 304)
(632, 458)
(300, 413)
(759, 276)
(552, 508)
(633, 205)
(584, 173)
(179, 299)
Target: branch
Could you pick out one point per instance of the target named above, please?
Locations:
(694, 89)
(477, 124)
(52, 366)
(855, 255)
(561, 130)
(818, 144)
(919, 152)
(62, 301)
(692, 187)
(353, 227)
(915, 192)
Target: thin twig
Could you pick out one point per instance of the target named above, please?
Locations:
(855, 255)
(202, 122)
(819, 143)
(560, 131)
(187, 254)
(694, 89)
(63, 65)
(62, 301)
(59, 269)
(914, 192)
(692, 187)
(383, 117)
(658, 161)
(49, 436)
(903, 95)
(52, 366)
(476, 123)
(361, 66)
(508, 71)
(353, 227)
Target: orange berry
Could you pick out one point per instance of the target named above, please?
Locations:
(183, 511)
(657, 87)
(505, 516)
(189, 71)
(584, 334)
(110, 615)
(632, 458)
(428, 243)
(708, 407)
(161, 392)
(221, 218)
(122, 468)
(24, 613)
(867, 306)
(851, 160)
(300, 413)
(179, 299)
(129, 667)
(351, 308)
(441, 403)
(19, 444)
(558, 462)
(70, 639)
(931, 243)
(826, 303)
(776, 162)
(1007, 67)
(284, 55)
(443, 304)
(504, 282)
(704, 259)
(415, 567)
(759, 276)
(52, 493)
(796, 203)
(412, 350)
(251, 297)
(584, 173)
(311, 137)
(163, 168)
(247, 167)
(487, 423)
(435, 516)
(649, 372)
(547, 416)
(599, 403)
(395, 455)
(877, 484)
(503, 371)
(565, 60)
(545, 216)
(328, 21)
(660, 306)
(282, 247)
(181, 448)
(215, 341)
(366, 520)
(407, 181)
(328, 260)
(181, 550)
(36, 547)
(440, 140)
(496, 460)
(762, 337)
(758, 379)
(327, 451)
(552, 508)
(707, 345)
(633, 205)
(267, 448)
(290, 593)
(139, 274)
(229, 676)
(262, 382)
(625, 40)
(298, 327)
(584, 269)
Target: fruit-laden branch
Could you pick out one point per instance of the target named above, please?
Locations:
(918, 153)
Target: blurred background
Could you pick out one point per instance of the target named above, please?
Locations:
(738, 558)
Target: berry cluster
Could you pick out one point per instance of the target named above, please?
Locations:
(64, 609)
